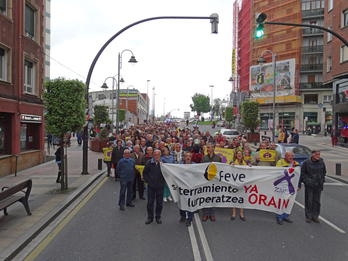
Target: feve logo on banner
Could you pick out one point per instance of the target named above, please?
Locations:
(210, 172)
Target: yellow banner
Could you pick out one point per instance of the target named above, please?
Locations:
(246, 158)
(225, 154)
(178, 130)
(233, 62)
(267, 155)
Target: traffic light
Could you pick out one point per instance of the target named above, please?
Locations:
(214, 20)
(260, 78)
(259, 20)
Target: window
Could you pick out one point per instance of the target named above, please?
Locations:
(328, 64)
(3, 64)
(115, 95)
(29, 22)
(29, 77)
(345, 18)
(327, 98)
(329, 36)
(3, 7)
(344, 54)
(311, 99)
(330, 5)
(101, 97)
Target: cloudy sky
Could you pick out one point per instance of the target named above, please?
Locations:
(179, 57)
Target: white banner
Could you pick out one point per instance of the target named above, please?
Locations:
(205, 185)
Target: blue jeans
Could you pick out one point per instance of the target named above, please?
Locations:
(189, 215)
(282, 216)
(108, 166)
(126, 185)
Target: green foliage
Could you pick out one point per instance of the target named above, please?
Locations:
(216, 108)
(104, 134)
(122, 115)
(229, 114)
(201, 103)
(250, 113)
(65, 105)
(101, 114)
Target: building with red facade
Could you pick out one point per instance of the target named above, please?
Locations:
(22, 73)
(336, 64)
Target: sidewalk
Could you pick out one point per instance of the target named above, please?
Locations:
(18, 227)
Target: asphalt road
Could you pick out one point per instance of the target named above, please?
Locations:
(101, 231)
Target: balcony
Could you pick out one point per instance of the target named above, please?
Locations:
(312, 32)
(312, 49)
(311, 67)
(312, 85)
(312, 13)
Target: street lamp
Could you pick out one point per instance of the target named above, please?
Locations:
(132, 60)
(147, 101)
(164, 107)
(153, 104)
(211, 100)
(261, 61)
(239, 100)
(127, 113)
(104, 86)
(171, 111)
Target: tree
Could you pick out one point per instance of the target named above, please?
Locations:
(250, 114)
(229, 114)
(65, 111)
(122, 115)
(216, 108)
(201, 103)
(101, 114)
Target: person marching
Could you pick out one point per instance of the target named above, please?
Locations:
(107, 156)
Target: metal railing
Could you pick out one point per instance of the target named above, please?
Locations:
(312, 31)
(313, 12)
(313, 49)
(312, 85)
(311, 67)
(10, 156)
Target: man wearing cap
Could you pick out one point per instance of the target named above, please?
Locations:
(313, 173)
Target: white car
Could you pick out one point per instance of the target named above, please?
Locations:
(230, 134)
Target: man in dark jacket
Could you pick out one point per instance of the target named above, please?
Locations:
(117, 154)
(295, 137)
(313, 173)
(125, 169)
(152, 175)
(138, 156)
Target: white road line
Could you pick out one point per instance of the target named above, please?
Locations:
(204, 241)
(333, 180)
(325, 220)
(335, 184)
(195, 249)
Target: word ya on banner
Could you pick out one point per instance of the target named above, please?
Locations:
(205, 185)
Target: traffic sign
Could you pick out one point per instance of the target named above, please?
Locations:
(238, 115)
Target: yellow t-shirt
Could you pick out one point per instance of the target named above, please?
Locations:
(237, 163)
(283, 163)
(107, 154)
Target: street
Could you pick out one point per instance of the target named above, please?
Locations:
(99, 230)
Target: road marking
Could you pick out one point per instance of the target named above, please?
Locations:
(334, 180)
(335, 184)
(195, 249)
(324, 220)
(55, 232)
(204, 241)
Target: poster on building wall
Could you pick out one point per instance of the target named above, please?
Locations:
(233, 62)
(285, 79)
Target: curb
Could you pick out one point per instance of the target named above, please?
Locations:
(11, 251)
(339, 178)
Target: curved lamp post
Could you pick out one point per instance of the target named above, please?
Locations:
(261, 61)
(132, 60)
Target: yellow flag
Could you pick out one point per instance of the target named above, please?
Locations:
(267, 155)
(205, 150)
(225, 154)
(178, 130)
(140, 168)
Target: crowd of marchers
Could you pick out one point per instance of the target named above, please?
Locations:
(135, 155)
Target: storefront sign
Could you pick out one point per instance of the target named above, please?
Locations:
(31, 118)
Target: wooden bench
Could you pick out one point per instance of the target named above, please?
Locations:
(9, 196)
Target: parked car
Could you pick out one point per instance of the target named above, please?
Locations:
(230, 134)
(221, 124)
(301, 152)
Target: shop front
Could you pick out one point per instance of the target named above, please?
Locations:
(266, 121)
(287, 119)
(340, 110)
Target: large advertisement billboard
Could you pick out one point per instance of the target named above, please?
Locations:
(285, 79)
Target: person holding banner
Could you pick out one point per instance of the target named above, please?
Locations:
(107, 156)
(166, 158)
(264, 157)
(152, 175)
(239, 160)
(287, 162)
(187, 160)
(210, 157)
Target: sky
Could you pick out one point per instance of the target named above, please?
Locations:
(179, 57)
